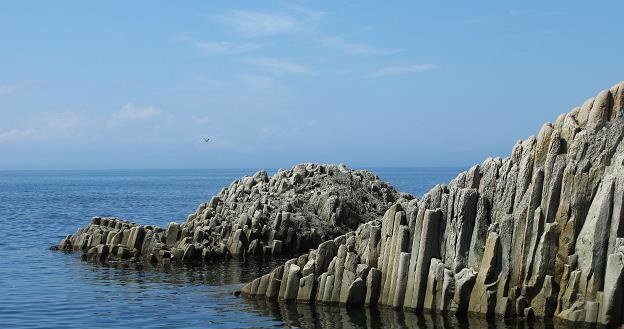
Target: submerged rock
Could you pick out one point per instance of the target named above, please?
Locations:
(537, 234)
(259, 216)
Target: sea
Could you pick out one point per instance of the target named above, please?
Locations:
(42, 288)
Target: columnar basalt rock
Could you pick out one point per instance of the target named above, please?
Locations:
(539, 233)
(259, 216)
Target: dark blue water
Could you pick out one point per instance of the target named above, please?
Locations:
(48, 289)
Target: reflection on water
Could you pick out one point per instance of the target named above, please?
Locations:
(337, 317)
(231, 272)
(77, 294)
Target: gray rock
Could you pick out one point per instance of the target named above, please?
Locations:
(483, 298)
(289, 212)
(135, 240)
(292, 282)
(264, 284)
(275, 282)
(357, 292)
(429, 240)
(539, 233)
(306, 288)
(544, 303)
(172, 233)
(464, 282)
(612, 305)
(348, 277)
(373, 286)
(401, 285)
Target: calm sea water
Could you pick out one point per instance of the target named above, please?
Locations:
(47, 289)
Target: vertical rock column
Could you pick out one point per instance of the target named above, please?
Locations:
(483, 296)
(612, 301)
(387, 247)
(429, 248)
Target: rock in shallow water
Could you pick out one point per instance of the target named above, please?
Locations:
(260, 216)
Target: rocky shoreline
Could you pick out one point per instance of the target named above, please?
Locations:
(537, 234)
(258, 216)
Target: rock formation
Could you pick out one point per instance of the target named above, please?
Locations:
(539, 233)
(286, 214)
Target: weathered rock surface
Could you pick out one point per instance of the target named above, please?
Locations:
(539, 233)
(285, 214)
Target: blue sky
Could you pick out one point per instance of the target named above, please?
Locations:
(137, 84)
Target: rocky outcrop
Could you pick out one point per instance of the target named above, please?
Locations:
(539, 233)
(285, 214)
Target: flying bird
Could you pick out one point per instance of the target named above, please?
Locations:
(206, 140)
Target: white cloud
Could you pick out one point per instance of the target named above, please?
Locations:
(355, 48)
(17, 135)
(131, 112)
(226, 48)
(282, 66)
(7, 90)
(47, 126)
(400, 70)
(254, 23)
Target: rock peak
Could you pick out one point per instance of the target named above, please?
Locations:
(260, 215)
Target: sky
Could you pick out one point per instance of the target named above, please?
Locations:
(138, 84)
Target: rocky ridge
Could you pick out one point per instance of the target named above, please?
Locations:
(537, 234)
(285, 214)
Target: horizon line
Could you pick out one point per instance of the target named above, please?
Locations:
(229, 168)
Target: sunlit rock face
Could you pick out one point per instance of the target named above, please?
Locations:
(539, 233)
(258, 216)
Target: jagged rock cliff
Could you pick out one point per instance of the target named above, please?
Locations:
(539, 233)
(285, 214)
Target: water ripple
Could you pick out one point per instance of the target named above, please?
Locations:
(46, 289)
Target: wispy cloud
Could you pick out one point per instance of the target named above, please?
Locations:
(82, 127)
(226, 48)
(131, 112)
(7, 90)
(309, 13)
(255, 23)
(48, 126)
(219, 48)
(355, 48)
(282, 66)
(297, 20)
(401, 70)
(17, 135)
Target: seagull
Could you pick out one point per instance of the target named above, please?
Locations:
(206, 140)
